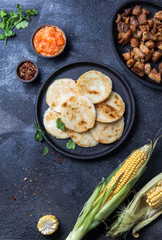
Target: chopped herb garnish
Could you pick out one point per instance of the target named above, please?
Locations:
(60, 124)
(39, 133)
(70, 144)
(15, 19)
(46, 151)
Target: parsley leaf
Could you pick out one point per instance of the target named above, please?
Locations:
(31, 12)
(15, 19)
(71, 144)
(9, 33)
(12, 13)
(60, 124)
(2, 36)
(46, 151)
(2, 25)
(19, 8)
(39, 133)
(3, 14)
(22, 24)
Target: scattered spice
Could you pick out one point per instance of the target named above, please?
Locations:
(14, 198)
(53, 190)
(30, 215)
(71, 191)
(27, 71)
(34, 193)
(59, 160)
(40, 191)
(34, 180)
(53, 153)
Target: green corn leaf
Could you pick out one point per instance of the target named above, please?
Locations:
(88, 205)
(144, 223)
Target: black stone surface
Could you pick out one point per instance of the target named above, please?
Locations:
(66, 186)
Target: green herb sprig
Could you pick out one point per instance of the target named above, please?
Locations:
(71, 144)
(60, 124)
(39, 133)
(46, 151)
(15, 19)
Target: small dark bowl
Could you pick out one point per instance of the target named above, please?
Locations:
(32, 41)
(26, 81)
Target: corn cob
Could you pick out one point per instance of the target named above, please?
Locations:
(129, 170)
(154, 196)
(112, 191)
(143, 209)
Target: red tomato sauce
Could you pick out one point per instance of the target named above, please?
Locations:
(49, 41)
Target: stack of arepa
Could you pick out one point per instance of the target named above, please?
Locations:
(91, 111)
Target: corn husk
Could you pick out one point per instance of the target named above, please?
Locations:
(96, 209)
(138, 213)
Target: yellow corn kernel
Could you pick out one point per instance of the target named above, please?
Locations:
(128, 171)
(154, 196)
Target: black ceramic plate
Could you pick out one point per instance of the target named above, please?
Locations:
(120, 49)
(74, 70)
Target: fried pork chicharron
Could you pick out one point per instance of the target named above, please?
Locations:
(145, 37)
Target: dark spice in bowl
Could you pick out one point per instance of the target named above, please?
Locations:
(27, 71)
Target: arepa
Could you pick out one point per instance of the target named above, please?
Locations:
(94, 85)
(78, 113)
(111, 109)
(49, 121)
(58, 91)
(83, 139)
(107, 132)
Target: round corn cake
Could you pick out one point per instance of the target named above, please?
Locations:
(78, 113)
(94, 85)
(58, 91)
(83, 139)
(49, 121)
(107, 132)
(111, 109)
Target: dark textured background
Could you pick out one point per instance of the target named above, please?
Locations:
(66, 186)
